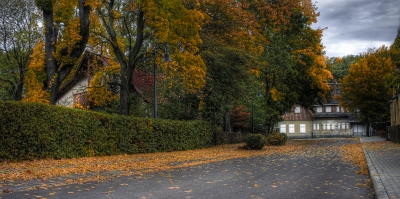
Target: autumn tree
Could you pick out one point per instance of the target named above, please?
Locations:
(66, 33)
(292, 67)
(18, 34)
(363, 90)
(132, 30)
(228, 49)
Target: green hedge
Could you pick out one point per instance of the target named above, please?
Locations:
(37, 131)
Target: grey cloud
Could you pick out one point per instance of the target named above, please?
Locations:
(358, 20)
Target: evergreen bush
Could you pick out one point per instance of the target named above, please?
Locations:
(37, 131)
(255, 141)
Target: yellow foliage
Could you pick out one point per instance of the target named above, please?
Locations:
(80, 106)
(188, 69)
(309, 10)
(98, 92)
(275, 94)
(35, 76)
(364, 81)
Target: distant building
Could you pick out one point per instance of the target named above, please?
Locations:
(326, 120)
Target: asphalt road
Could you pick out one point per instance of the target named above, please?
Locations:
(277, 176)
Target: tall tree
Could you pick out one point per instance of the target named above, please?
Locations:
(228, 45)
(66, 25)
(292, 67)
(363, 91)
(18, 34)
(134, 27)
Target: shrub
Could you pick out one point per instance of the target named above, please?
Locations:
(277, 139)
(255, 141)
(38, 131)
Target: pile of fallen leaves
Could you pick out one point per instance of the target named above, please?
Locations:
(354, 153)
(79, 170)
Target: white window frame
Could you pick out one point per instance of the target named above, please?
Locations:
(324, 126)
(291, 128)
(297, 109)
(343, 125)
(302, 128)
(328, 126)
(328, 109)
(337, 109)
(319, 109)
(316, 127)
(282, 128)
(347, 126)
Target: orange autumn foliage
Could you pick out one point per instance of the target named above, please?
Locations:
(35, 76)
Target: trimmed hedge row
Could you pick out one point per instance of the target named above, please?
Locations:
(36, 131)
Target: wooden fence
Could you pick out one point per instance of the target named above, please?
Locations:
(229, 138)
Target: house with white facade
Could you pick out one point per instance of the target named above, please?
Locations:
(322, 121)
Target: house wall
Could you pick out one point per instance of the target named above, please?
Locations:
(359, 129)
(395, 111)
(67, 99)
(297, 128)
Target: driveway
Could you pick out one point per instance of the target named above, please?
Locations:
(318, 172)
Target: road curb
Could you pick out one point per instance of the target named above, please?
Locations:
(380, 191)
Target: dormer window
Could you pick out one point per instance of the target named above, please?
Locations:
(297, 109)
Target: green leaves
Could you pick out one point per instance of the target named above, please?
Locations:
(38, 131)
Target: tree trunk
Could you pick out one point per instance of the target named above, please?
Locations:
(124, 100)
(127, 62)
(54, 74)
(227, 118)
(50, 40)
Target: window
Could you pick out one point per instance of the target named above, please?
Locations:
(283, 128)
(347, 126)
(328, 126)
(337, 109)
(343, 126)
(316, 127)
(291, 128)
(323, 126)
(297, 109)
(328, 109)
(302, 128)
(319, 109)
(81, 99)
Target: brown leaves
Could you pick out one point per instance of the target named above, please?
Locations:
(354, 153)
(102, 168)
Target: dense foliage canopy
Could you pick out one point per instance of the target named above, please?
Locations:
(224, 52)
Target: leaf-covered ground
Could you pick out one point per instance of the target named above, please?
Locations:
(46, 173)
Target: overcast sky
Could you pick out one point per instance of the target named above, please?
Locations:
(356, 25)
